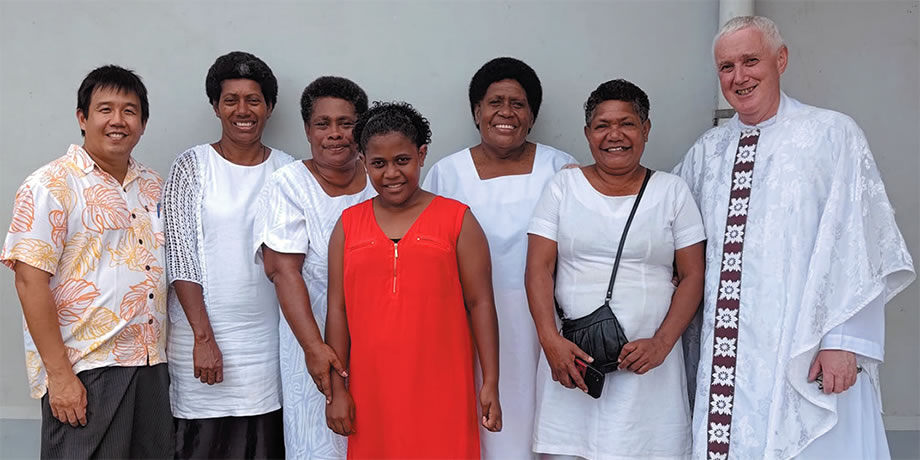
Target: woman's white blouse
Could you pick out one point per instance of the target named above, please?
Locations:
(637, 416)
(209, 205)
(296, 216)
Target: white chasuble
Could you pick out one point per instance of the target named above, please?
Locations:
(820, 245)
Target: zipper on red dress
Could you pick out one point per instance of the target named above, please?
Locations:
(395, 258)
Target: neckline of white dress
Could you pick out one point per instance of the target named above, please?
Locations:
(472, 165)
(367, 182)
(268, 158)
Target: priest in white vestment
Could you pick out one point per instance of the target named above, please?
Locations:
(803, 254)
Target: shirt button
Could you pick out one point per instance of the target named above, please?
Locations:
(147, 267)
(151, 295)
(133, 216)
(125, 189)
(146, 208)
(150, 321)
(140, 241)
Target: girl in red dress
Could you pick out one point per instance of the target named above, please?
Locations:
(409, 280)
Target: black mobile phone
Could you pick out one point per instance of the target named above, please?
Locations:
(594, 379)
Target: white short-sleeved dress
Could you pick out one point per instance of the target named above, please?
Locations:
(638, 416)
(503, 206)
(296, 216)
(209, 203)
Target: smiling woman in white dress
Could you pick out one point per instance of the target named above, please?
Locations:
(223, 340)
(643, 411)
(500, 179)
(296, 213)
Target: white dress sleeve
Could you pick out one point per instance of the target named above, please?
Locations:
(545, 220)
(687, 227)
(863, 333)
(431, 180)
(181, 204)
(280, 221)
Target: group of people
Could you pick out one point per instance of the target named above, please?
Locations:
(341, 306)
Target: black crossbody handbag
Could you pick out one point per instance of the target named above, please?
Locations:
(600, 334)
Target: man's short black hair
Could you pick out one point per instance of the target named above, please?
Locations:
(392, 117)
(239, 64)
(506, 68)
(112, 77)
(617, 90)
(337, 87)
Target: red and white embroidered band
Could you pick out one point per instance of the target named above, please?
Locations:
(725, 336)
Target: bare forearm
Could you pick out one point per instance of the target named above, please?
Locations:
(337, 337)
(684, 304)
(484, 323)
(40, 313)
(295, 305)
(191, 297)
(539, 284)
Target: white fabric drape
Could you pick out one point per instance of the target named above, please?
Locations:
(503, 206)
(209, 204)
(637, 416)
(295, 216)
(821, 244)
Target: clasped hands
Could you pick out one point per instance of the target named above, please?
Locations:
(639, 356)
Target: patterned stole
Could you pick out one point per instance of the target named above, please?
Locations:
(725, 336)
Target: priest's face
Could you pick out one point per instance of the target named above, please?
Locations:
(749, 71)
(617, 137)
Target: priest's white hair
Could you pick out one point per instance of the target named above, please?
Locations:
(766, 26)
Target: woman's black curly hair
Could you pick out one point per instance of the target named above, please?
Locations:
(617, 90)
(239, 64)
(506, 68)
(337, 87)
(392, 117)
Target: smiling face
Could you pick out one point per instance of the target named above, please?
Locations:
(394, 165)
(503, 115)
(112, 124)
(617, 137)
(749, 74)
(329, 132)
(242, 110)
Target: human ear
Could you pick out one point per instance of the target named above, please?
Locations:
(422, 152)
(782, 59)
(81, 119)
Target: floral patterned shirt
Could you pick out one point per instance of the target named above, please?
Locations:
(103, 244)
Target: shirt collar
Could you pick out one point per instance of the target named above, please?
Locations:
(85, 163)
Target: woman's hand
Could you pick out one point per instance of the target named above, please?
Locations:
(561, 354)
(208, 361)
(340, 413)
(320, 357)
(491, 408)
(643, 355)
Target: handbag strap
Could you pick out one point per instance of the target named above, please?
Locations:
(616, 262)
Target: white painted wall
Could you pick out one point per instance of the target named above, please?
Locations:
(425, 52)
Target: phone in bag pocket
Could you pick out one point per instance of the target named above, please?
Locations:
(594, 379)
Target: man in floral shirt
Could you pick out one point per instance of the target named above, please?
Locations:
(86, 243)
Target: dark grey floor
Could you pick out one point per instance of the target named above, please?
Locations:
(19, 440)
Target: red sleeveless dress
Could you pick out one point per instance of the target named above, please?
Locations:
(411, 362)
